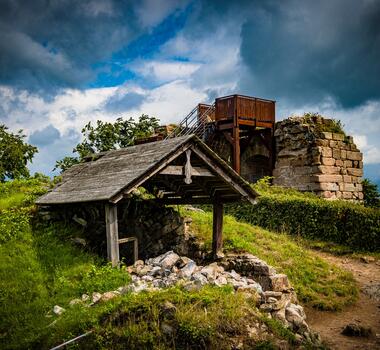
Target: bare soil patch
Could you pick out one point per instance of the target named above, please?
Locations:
(365, 312)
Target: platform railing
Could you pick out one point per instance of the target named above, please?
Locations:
(193, 123)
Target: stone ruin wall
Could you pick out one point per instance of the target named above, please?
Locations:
(328, 164)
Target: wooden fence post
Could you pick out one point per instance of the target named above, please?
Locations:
(112, 234)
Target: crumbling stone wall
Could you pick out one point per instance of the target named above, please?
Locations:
(307, 159)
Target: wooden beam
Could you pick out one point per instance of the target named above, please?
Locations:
(217, 229)
(177, 170)
(187, 167)
(251, 122)
(236, 149)
(223, 175)
(225, 126)
(112, 234)
(138, 182)
(135, 246)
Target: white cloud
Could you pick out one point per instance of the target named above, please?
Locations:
(72, 109)
(165, 71)
(371, 153)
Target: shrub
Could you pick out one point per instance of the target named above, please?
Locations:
(312, 217)
(371, 194)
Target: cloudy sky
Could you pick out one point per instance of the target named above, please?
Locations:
(65, 62)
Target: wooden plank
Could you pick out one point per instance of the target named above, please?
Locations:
(177, 170)
(251, 122)
(187, 168)
(261, 124)
(112, 234)
(225, 126)
(217, 229)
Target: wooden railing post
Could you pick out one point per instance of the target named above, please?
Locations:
(217, 230)
(112, 234)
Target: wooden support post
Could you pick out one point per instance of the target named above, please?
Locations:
(112, 234)
(236, 149)
(236, 137)
(217, 229)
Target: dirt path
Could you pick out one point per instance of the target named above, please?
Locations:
(365, 312)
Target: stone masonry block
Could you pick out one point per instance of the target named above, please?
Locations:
(336, 153)
(347, 178)
(356, 179)
(326, 135)
(326, 178)
(321, 142)
(333, 144)
(352, 147)
(359, 187)
(327, 186)
(355, 172)
(348, 163)
(326, 152)
(343, 154)
(347, 195)
(354, 155)
(325, 169)
(327, 161)
(338, 137)
(339, 163)
(349, 187)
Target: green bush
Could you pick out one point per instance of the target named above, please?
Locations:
(371, 194)
(311, 217)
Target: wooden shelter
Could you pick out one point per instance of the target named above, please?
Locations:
(181, 170)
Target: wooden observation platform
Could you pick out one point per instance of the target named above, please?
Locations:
(236, 118)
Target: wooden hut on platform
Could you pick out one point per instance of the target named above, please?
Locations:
(181, 170)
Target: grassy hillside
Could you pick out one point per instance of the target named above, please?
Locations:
(40, 267)
(317, 283)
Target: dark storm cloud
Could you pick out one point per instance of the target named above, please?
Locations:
(57, 43)
(307, 50)
(45, 136)
(124, 102)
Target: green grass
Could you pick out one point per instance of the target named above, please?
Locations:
(317, 283)
(207, 319)
(40, 268)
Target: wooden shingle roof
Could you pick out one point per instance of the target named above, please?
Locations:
(109, 176)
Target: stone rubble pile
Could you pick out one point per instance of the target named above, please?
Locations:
(275, 296)
(326, 163)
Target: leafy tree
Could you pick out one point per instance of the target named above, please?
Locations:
(371, 194)
(14, 154)
(105, 136)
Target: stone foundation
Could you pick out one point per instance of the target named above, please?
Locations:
(157, 228)
(326, 163)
